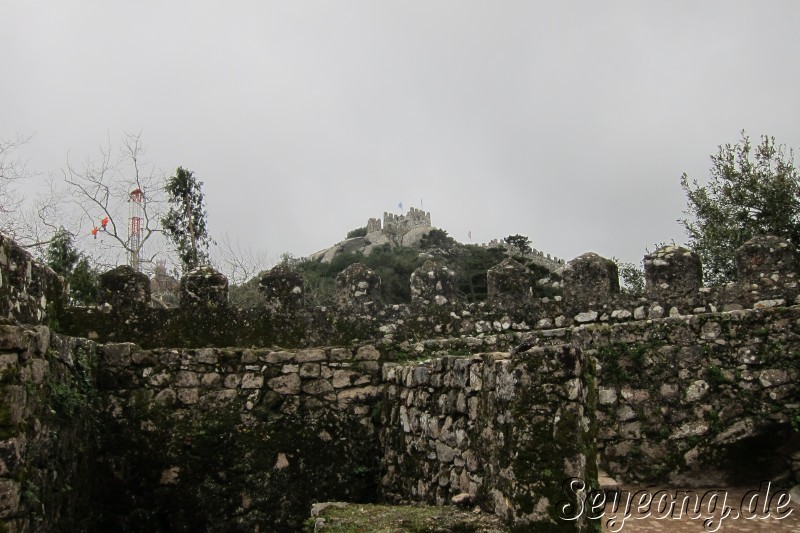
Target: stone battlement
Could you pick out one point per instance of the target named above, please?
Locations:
(537, 256)
(589, 294)
(492, 404)
(415, 218)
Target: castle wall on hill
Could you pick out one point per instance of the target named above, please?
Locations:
(399, 224)
(538, 257)
(435, 401)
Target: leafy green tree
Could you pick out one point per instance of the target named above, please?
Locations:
(519, 244)
(631, 276)
(358, 232)
(438, 243)
(185, 222)
(62, 256)
(750, 190)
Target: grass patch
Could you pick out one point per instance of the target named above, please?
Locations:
(358, 518)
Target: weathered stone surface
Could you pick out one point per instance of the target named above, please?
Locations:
(29, 291)
(282, 289)
(367, 353)
(123, 289)
(433, 283)
(307, 356)
(358, 285)
(118, 354)
(256, 381)
(672, 272)
(317, 387)
(288, 384)
(588, 280)
(10, 492)
(509, 283)
(587, 316)
(204, 287)
(672, 382)
(762, 256)
(186, 378)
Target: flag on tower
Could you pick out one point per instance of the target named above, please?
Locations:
(400, 206)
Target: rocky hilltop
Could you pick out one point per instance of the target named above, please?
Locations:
(396, 230)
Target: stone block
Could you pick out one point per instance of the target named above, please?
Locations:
(358, 285)
(204, 287)
(282, 289)
(509, 283)
(672, 272)
(589, 280)
(433, 284)
(763, 257)
(124, 289)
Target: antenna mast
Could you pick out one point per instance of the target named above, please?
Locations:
(136, 214)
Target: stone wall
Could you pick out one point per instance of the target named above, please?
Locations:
(212, 439)
(30, 292)
(499, 431)
(48, 425)
(401, 224)
(590, 290)
(698, 401)
(491, 404)
(540, 258)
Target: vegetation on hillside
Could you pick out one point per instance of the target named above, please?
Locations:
(358, 232)
(395, 265)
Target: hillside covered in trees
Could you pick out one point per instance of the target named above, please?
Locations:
(394, 265)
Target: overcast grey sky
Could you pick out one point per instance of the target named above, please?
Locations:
(570, 122)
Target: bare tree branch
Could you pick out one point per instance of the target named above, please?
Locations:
(239, 264)
(102, 190)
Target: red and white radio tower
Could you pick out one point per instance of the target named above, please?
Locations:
(136, 215)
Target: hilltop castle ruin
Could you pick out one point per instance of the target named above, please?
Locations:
(401, 230)
(408, 230)
(396, 230)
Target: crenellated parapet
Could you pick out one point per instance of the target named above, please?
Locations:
(551, 262)
(123, 289)
(672, 272)
(373, 225)
(589, 280)
(282, 289)
(203, 288)
(415, 218)
(509, 284)
(433, 283)
(589, 292)
(358, 286)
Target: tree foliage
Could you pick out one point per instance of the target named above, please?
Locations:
(750, 190)
(185, 221)
(631, 277)
(520, 244)
(62, 256)
(358, 232)
(395, 265)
